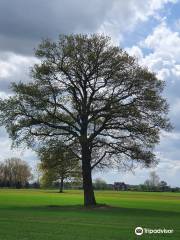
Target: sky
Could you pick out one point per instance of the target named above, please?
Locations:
(149, 30)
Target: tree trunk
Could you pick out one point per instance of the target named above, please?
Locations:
(61, 185)
(89, 198)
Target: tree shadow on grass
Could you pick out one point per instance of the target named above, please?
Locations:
(103, 208)
(100, 209)
(62, 193)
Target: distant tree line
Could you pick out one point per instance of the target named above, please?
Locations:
(58, 171)
(152, 184)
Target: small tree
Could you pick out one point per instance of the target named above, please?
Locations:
(154, 179)
(48, 176)
(58, 163)
(94, 95)
(100, 184)
(163, 186)
(153, 182)
(14, 172)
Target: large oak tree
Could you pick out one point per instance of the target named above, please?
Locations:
(95, 98)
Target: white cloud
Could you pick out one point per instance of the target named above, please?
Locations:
(170, 135)
(8, 152)
(10, 64)
(6, 69)
(14, 67)
(163, 39)
(136, 52)
(165, 56)
(124, 16)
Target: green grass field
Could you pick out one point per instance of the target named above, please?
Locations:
(48, 215)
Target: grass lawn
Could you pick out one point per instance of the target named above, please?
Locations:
(48, 215)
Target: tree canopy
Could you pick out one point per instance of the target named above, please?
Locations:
(93, 97)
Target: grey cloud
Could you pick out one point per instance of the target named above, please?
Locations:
(5, 86)
(24, 23)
